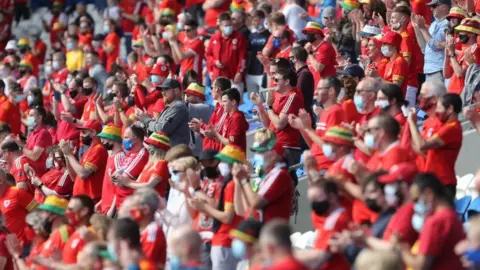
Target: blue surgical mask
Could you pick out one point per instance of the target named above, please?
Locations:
(239, 249)
(164, 35)
(369, 141)
(276, 43)
(359, 103)
(127, 145)
(48, 69)
(111, 250)
(30, 100)
(31, 122)
(56, 65)
(179, 26)
(327, 150)
(49, 163)
(227, 30)
(106, 28)
(175, 262)
(175, 177)
(155, 79)
(386, 51)
(473, 256)
(259, 161)
(417, 222)
(224, 169)
(69, 45)
(19, 98)
(381, 103)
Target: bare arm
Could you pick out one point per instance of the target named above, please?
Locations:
(33, 154)
(279, 121)
(317, 66)
(79, 170)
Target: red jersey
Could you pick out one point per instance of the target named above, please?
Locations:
(128, 7)
(85, 39)
(95, 159)
(202, 222)
(326, 55)
(15, 204)
(195, 62)
(458, 83)
(157, 169)
(132, 166)
(30, 57)
(108, 189)
(287, 264)
(72, 247)
(277, 189)
(154, 244)
(393, 155)
(112, 40)
(89, 109)
(350, 112)
(441, 161)
(235, 129)
(10, 113)
(397, 70)
(19, 170)
(222, 236)
(439, 235)
(39, 138)
(230, 51)
(269, 44)
(60, 76)
(331, 117)
(380, 66)
(216, 119)
(409, 48)
(58, 180)
(211, 14)
(41, 49)
(283, 53)
(430, 126)
(288, 103)
(401, 225)
(57, 241)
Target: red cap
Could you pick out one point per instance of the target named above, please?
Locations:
(160, 69)
(392, 38)
(92, 124)
(402, 172)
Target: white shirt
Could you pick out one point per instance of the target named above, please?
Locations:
(292, 14)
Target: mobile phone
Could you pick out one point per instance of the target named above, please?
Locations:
(57, 95)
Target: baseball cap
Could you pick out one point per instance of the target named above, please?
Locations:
(401, 172)
(11, 45)
(208, 154)
(392, 38)
(370, 30)
(434, 2)
(353, 70)
(93, 125)
(248, 231)
(160, 69)
(328, 12)
(169, 84)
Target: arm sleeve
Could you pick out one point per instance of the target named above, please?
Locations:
(44, 140)
(166, 122)
(277, 188)
(95, 159)
(397, 72)
(243, 54)
(209, 56)
(26, 200)
(324, 56)
(289, 106)
(431, 239)
(228, 198)
(235, 131)
(448, 134)
(64, 184)
(406, 47)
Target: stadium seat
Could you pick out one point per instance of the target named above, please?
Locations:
(462, 185)
(461, 205)
(473, 209)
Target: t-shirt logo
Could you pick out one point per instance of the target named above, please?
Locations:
(6, 203)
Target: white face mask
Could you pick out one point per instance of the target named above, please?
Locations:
(386, 51)
(381, 103)
(224, 169)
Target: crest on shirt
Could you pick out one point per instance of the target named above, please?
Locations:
(234, 41)
(231, 138)
(163, 68)
(6, 203)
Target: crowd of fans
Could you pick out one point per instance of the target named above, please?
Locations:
(130, 147)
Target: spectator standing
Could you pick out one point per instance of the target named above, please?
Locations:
(256, 42)
(75, 56)
(195, 98)
(238, 21)
(396, 70)
(97, 71)
(293, 11)
(305, 81)
(18, 165)
(111, 43)
(213, 10)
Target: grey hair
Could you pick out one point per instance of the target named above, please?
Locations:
(371, 84)
(148, 196)
(436, 88)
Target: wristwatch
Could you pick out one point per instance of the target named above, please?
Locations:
(40, 186)
(270, 107)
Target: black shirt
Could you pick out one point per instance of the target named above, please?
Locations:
(256, 43)
(305, 83)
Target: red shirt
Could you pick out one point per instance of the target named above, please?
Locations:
(401, 225)
(30, 57)
(269, 44)
(57, 180)
(72, 247)
(157, 169)
(335, 222)
(128, 7)
(439, 235)
(441, 161)
(397, 70)
(112, 40)
(430, 126)
(331, 117)
(154, 244)
(326, 55)
(350, 112)
(230, 51)
(108, 189)
(57, 240)
(202, 222)
(409, 48)
(4, 252)
(39, 137)
(60, 76)
(89, 109)
(288, 264)
(195, 62)
(458, 83)
(95, 159)
(211, 14)
(85, 39)
(41, 49)
(216, 119)
(285, 53)
(393, 155)
(380, 66)
(235, 129)
(15, 204)
(10, 113)
(132, 166)
(19, 170)
(222, 236)
(68, 131)
(288, 103)
(277, 189)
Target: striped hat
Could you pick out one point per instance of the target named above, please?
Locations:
(195, 89)
(26, 63)
(237, 5)
(54, 204)
(231, 154)
(456, 12)
(350, 4)
(167, 12)
(313, 27)
(469, 25)
(111, 132)
(23, 42)
(138, 43)
(248, 231)
(58, 26)
(159, 140)
(338, 135)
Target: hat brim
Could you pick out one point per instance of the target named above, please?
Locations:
(347, 7)
(242, 236)
(308, 30)
(52, 209)
(463, 28)
(106, 255)
(433, 2)
(157, 144)
(455, 15)
(194, 93)
(228, 159)
(337, 141)
(365, 34)
(110, 137)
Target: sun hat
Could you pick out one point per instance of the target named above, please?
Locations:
(23, 43)
(159, 140)
(350, 4)
(137, 43)
(313, 27)
(370, 30)
(231, 154)
(25, 63)
(456, 12)
(195, 89)
(248, 231)
(111, 132)
(469, 25)
(268, 145)
(54, 204)
(338, 135)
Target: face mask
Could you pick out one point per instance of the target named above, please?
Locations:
(424, 103)
(131, 101)
(386, 51)
(127, 145)
(108, 146)
(175, 177)
(259, 161)
(390, 194)
(310, 37)
(473, 256)
(227, 30)
(260, 27)
(87, 91)
(69, 46)
(175, 262)
(276, 43)
(73, 93)
(48, 69)
(110, 96)
(68, 81)
(19, 98)
(87, 140)
(327, 150)
(224, 169)
(164, 35)
(29, 100)
(111, 250)
(417, 222)
(72, 218)
(463, 38)
(106, 28)
(382, 103)
(372, 205)
(23, 51)
(211, 172)
(396, 26)
(56, 65)
(239, 249)
(47, 226)
(49, 163)
(31, 122)
(155, 79)
(358, 100)
(320, 207)
(369, 141)
(179, 26)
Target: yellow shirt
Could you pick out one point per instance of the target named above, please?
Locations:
(75, 60)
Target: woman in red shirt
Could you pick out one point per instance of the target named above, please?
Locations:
(155, 174)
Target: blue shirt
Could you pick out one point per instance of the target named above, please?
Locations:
(435, 56)
(326, 3)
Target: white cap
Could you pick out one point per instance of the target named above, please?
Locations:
(11, 45)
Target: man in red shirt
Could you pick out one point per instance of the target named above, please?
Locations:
(111, 44)
(235, 126)
(18, 165)
(442, 149)
(438, 224)
(88, 172)
(278, 22)
(133, 164)
(275, 243)
(213, 9)
(322, 54)
(226, 52)
(8, 109)
(60, 71)
(396, 70)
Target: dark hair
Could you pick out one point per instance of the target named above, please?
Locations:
(122, 88)
(328, 186)
(232, 94)
(225, 17)
(265, 7)
(281, 63)
(259, 14)
(86, 202)
(138, 132)
(285, 34)
(300, 42)
(335, 83)
(2, 84)
(190, 76)
(191, 22)
(430, 181)
(373, 179)
(74, 37)
(50, 120)
(126, 229)
(223, 83)
(451, 99)
(389, 124)
(288, 74)
(94, 53)
(277, 18)
(41, 111)
(300, 53)
(10, 146)
(402, 9)
(91, 80)
(279, 231)
(37, 97)
(393, 91)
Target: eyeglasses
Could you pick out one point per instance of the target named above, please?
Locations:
(58, 158)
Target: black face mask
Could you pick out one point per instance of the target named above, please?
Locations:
(73, 93)
(110, 96)
(23, 51)
(87, 91)
(320, 207)
(130, 101)
(108, 146)
(47, 226)
(372, 205)
(310, 37)
(87, 140)
(211, 172)
(463, 39)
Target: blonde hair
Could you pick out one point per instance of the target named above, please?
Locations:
(186, 163)
(263, 135)
(378, 260)
(100, 224)
(178, 151)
